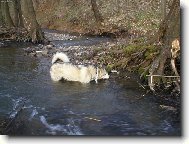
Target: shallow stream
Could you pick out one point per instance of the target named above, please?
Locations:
(112, 107)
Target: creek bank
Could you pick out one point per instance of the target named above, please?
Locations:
(81, 50)
(117, 55)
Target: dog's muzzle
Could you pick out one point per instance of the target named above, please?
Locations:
(106, 76)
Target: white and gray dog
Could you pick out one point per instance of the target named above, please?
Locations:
(66, 70)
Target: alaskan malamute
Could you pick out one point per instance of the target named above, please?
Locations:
(62, 69)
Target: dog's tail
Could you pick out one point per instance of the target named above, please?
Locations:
(60, 55)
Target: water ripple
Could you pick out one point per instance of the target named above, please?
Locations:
(69, 129)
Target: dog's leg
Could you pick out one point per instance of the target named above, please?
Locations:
(55, 76)
(96, 78)
(85, 76)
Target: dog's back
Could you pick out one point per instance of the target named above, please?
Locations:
(66, 70)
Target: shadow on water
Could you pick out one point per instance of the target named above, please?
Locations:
(111, 107)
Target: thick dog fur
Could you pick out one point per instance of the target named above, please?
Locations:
(66, 70)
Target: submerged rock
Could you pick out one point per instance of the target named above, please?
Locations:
(1, 44)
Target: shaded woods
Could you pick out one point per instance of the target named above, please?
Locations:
(149, 31)
(23, 24)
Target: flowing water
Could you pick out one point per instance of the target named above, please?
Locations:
(112, 107)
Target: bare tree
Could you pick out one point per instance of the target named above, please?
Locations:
(169, 31)
(6, 14)
(1, 16)
(96, 11)
(163, 9)
(30, 21)
(17, 19)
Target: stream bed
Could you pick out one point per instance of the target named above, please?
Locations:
(39, 106)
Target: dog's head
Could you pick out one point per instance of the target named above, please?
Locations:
(103, 74)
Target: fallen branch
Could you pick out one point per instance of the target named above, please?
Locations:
(151, 84)
(162, 76)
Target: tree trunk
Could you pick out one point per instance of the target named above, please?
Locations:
(6, 14)
(1, 16)
(163, 9)
(30, 21)
(170, 27)
(96, 11)
(17, 19)
(169, 30)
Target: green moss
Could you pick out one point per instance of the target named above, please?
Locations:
(109, 67)
(130, 49)
(151, 48)
(140, 70)
(135, 48)
(149, 54)
(141, 40)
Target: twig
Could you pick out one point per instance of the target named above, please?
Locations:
(150, 83)
(161, 76)
(145, 70)
(141, 85)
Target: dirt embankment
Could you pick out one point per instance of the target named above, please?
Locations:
(119, 18)
(131, 22)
